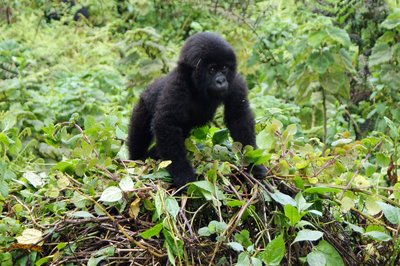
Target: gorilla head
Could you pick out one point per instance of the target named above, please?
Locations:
(211, 62)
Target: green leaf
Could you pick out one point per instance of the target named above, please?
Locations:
(372, 205)
(391, 213)
(172, 206)
(82, 214)
(336, 83)
(320, 61)
(378, 235)
(236, 246)
(316, 258)
(341, 142)
(111, 194)
(126, 183)
(332, 257)
(302, 204)
(283, 199)
(392, 21)
(346, 60)
(274, 252)
(339, 35)
(153, 231)
(382, 159)
(34, 179)
(381, 53)
(347, 204)
(308, 235)
(220, 136)
(243, 238)
(243, 259)
(292, 213)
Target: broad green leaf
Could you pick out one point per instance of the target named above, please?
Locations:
(153, 231)
(217, 227)
(316, 258)
(392, 21)
(378, 235)
(391, 213)
(82, 214)
(302, 204)
(255, 262)
(172, 206)
(341, 142)
(220, 136)
(355, 228)
(243, 259)
(308, 235)
(94, 261)
(320, 61)
(126, 183)
(243, 238)
(292, 213)
(382, 159)
(335, 83)
(332, 257)
(274, 252)
(339, 35)
(381, 53)
(283, 199)
(346, 60)
(372, 206)
(34, 179)
(236, 246)
(111, 194)
(4, 189)
(346, 204)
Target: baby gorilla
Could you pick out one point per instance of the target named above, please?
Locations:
(188, 97)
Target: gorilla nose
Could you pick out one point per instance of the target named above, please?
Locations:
(221, 81)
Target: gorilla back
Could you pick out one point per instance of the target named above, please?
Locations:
(188, 97)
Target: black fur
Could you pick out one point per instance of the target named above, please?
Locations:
(188, 97)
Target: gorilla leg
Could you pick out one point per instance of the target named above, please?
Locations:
(171, 146)
(139, 136)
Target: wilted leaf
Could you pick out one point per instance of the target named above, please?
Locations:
(134, 208)
(30, 236)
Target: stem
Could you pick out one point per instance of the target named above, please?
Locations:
(325, 120)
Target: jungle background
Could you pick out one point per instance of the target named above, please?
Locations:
(324, 86)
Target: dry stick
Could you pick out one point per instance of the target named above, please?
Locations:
(233, 222)
(29, 212)
(122, 230)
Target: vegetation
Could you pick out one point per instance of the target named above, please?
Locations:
(324, 80)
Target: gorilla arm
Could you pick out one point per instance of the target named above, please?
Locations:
(240, 120)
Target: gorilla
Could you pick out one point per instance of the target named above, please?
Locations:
(186, 98)
(82, 12)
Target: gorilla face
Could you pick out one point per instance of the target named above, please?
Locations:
(217, 83)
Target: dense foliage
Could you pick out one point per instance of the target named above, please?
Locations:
(324, 80)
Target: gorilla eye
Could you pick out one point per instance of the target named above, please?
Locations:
(224, 67)
(211, 70)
